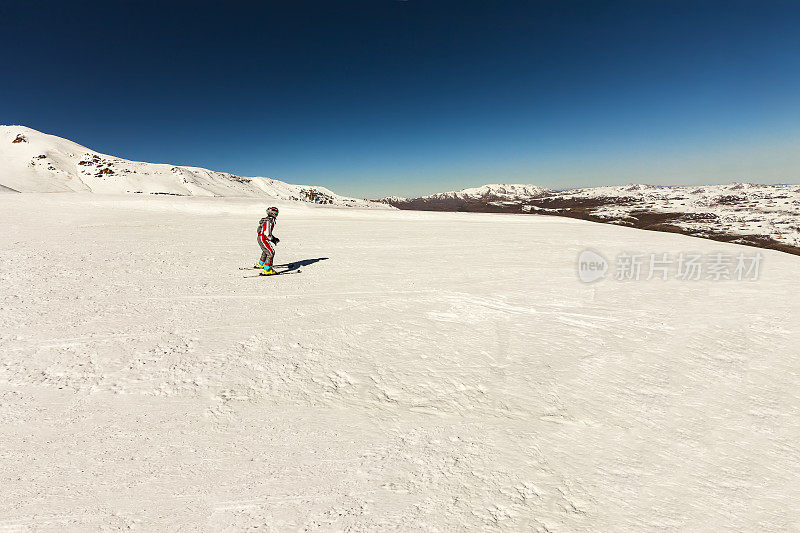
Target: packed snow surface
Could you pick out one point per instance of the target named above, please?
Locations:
(406, 379)
(32, 161)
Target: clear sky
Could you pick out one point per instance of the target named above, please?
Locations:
(379, 97)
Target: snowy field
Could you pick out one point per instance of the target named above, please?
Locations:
(437, 372)
(771, 211)
(742, 211)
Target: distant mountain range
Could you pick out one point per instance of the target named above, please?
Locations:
(488, 193)
(767, 216)
(745, 213)
(32, 161)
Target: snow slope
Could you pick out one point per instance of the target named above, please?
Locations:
(31, 161)
(146, 385)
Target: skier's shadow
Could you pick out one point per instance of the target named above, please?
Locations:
(295, 265)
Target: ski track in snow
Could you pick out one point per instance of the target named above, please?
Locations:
(411, 381)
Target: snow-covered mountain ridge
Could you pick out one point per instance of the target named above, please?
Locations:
(746, 210)
(762, 215)
(496, 192)
(488, 192)
(32, 161)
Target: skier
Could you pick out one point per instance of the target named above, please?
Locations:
(267, 242)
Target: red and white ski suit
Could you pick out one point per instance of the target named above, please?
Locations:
(265, 227)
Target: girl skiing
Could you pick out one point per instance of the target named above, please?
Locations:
(267, 242)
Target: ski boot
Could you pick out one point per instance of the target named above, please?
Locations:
(268, 271)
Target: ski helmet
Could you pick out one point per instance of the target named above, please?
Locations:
(272, 212)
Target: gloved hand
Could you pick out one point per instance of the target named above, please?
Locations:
(275, 239)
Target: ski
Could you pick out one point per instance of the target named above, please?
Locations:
(258, 268)
(281, 273)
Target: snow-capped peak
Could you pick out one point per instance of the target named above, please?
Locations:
(32, 161)
(494, 191)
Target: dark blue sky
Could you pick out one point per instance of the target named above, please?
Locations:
(388, 97)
